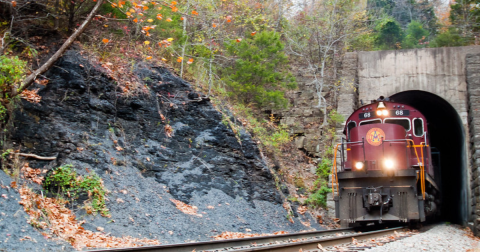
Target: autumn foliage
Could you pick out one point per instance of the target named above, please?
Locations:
(51, 215)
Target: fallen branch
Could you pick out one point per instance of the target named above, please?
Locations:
(35, 156)
(31, 78)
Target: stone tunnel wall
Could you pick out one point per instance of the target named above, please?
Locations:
(473, 80)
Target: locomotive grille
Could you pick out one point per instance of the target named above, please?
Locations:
(352, 207)
(403, 206)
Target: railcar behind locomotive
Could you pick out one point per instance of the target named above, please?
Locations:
(385, 171)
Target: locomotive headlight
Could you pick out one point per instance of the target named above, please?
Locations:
(389, 164)
(359, 165)
(379, 113)
(385, 112)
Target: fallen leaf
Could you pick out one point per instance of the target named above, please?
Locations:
(100, 229)
(105, 40)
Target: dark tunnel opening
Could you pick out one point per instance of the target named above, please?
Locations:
(447, 136)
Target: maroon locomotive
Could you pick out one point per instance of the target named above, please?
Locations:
(386, 172)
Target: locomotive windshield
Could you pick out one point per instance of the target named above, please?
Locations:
(371, 121)
(405, 122)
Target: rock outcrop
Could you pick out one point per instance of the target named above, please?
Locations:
(85, 120)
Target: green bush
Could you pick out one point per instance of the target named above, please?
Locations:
(259, 74)
(451, 37)
(63, 181)
(416, 36)
(319, 198)
(12, 72)
(389, 34)
(324, 168)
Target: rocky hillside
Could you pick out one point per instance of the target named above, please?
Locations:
(164, 143)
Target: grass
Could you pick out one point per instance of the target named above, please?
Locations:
(64, 182)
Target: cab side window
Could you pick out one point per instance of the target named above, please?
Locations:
(350, 126)
(418, 130)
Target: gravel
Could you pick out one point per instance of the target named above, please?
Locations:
(442, 237)
(15, 233)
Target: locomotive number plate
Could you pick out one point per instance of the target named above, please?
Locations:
(364, 115)
(399, 112)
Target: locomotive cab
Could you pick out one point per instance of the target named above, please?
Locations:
(384, 171)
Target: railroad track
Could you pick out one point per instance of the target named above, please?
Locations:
(308, 241)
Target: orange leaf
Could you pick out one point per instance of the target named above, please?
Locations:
(190, 61)
(14, 3)
(169, 20)
(214, 25)
(194, 13)
(105, 40)
(174, 3)
(163, 59)
(135, 20)
(149, 57)
(239, 40)
(179, 59)
(145, 7)
(182, 18)
(174, 8)
(159, 16)
(229, 19)
(253, 33)
(146, 42)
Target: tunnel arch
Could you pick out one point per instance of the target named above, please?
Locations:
(447, 135)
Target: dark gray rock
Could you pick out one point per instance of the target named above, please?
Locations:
(202, 164)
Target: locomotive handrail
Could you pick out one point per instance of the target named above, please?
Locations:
(421, 164)
(334, 172)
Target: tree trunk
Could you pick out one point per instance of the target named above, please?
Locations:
(57, 14)
(71, 16)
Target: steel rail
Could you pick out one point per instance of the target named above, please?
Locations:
(325, 242)
(222, 244)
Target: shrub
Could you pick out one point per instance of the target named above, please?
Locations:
(323, 169)
(319, 198)
(64, 182)
(12, 71)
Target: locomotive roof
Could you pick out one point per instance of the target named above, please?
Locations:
(396, 110)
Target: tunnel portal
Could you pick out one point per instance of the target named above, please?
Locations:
(447, 139)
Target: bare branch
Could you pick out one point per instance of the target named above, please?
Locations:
(35, 156)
